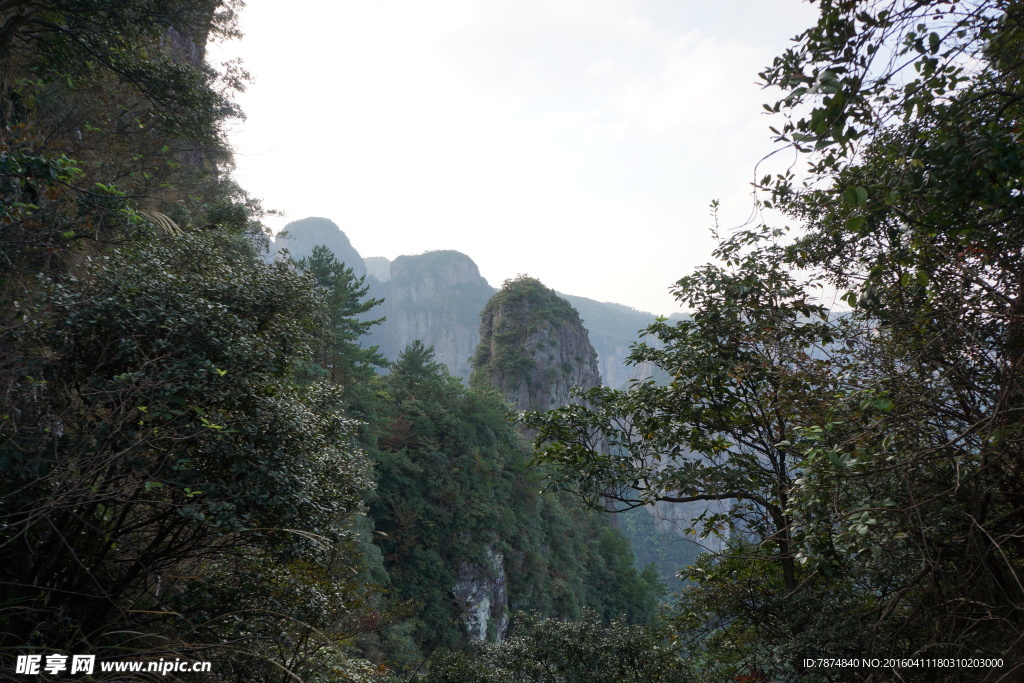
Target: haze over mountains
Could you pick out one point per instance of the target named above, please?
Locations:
(436, 297)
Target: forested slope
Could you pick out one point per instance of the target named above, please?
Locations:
(191, 436)
(166, 469)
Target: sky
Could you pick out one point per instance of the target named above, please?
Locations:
(578, 141)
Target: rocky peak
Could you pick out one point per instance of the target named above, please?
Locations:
(435, 298)
(533, 347)
(434, 276)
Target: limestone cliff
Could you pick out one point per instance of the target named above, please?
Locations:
(482, 590)
(435, 298)
(613, 328)
(533, 347)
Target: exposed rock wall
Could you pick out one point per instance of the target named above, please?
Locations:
(611, 362)
(435, 298)
(482, 591)
(378, 268)
(534, 347)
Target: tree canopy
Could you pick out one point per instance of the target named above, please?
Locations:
(868, 455)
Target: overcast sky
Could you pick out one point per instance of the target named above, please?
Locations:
(578, 141)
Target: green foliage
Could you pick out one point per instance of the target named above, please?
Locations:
(663, 550)
(454, 485)
(107, 108)
(166, 481)
(736, 619)
(870, 453)
(528, 306)
(346, 361)
(866, 66)
(62, 49)
(160, 462)
(922, 227)
(554, 651)
(747, 371)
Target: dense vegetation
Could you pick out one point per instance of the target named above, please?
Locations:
(190, 435)
(170, 486)
(455, 492)
(181, 473)
(865, 463)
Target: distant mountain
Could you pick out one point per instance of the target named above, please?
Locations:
(378, 267)
(437, 297)
(299, 237)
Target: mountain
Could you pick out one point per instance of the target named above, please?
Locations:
(533, 347)
(434, 298)
(440, 299)
(299, 237)
(437, 298)
(378, 268)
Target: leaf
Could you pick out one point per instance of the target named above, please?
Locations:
(881, 403)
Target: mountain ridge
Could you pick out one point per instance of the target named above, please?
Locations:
(437, 297)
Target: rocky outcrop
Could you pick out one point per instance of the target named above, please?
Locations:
(533, 347)
(613, 328)
(611, 362)
(482, 591)
(435, 298)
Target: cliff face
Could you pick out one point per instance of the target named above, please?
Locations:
(378, 268)
(435, 298)
(533, 347)
(611, 361)
(613, 329)
(482, 590)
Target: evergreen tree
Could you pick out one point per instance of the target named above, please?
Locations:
(455, 490)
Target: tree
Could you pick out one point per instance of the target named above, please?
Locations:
(755, 366)
(108, 108)
(555, 651)
(346, 361)
(902, 431)
(457, 503)
(168, 484)
(921, 222)
(749, 369)
(153, 427)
